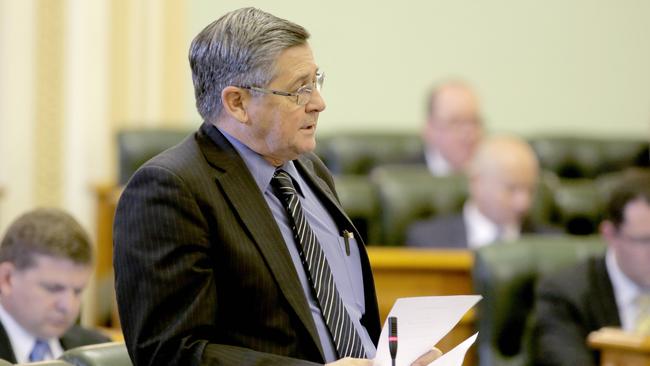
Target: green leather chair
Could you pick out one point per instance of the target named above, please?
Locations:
(360, 202)
(506, 275)
(582, 157)
(136, 146)
(103, 354)
(409, 193)
(359, 153)
(579, 204)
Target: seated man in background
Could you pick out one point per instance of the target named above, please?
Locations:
(45, 263)
(502, 177)
(612, 290)
(453, 128)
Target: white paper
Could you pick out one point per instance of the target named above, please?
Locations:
(421, 323)
(456, 356)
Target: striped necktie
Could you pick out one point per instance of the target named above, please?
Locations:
(345, 337)
(40, 351)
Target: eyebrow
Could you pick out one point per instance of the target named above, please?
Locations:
(302, 79)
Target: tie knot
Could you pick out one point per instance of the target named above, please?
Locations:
(40, 351)
(282, 181)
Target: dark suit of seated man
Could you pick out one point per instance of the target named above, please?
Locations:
(231, 248)
(502, 178)
(45, 263)
(612, 290)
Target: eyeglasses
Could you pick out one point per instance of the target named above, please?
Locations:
(302, 95)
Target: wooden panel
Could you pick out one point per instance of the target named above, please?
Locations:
(619, 348)
(407, 272)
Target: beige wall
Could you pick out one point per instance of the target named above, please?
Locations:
(73, 72)
(579, 66)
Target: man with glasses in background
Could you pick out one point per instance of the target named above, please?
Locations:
(453, 129)
(612, 290)
(231, 248)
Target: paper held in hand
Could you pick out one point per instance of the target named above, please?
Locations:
(422, 322)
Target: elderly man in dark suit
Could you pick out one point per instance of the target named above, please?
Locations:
(231, 248)
(502, 178)
(45, 263)
(611, 290)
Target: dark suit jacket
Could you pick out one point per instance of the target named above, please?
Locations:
(451, 232)
(570, 304)
(203, 275)
(75, 337)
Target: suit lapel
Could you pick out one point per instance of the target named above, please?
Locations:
(240, 189)
(604, 301)
(6, 352)
(305, 166)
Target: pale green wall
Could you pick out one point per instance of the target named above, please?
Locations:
(558, 66)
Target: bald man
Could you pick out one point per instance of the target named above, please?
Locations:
(453, 129)
(502, 177)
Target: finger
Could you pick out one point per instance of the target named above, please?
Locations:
(428, 357)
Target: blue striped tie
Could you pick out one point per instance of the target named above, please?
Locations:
(346, 339)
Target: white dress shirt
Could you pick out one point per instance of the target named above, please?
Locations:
(625, 292)
(22, 342)
(482, 231)
(437, 164)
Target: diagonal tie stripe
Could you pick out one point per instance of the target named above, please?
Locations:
(346, 339)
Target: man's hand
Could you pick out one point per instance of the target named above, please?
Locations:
(423, 360)
(427, 358)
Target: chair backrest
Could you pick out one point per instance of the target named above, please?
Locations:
(137, 146)
(360, 202)
(408, 193)
(506, 275)
(359, 153)
(582, 157)
(103, 354)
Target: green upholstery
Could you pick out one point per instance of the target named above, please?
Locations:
(359, 153)
(579, 205)
(103, 354)
(135, 147)
(40, 363)
(360, 202)
(408, 193)
(506, 275)
(582, 157)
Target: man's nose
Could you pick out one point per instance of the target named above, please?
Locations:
(316, 102)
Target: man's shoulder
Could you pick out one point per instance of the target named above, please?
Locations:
(574, 280)
(78, 336)
(440, 231)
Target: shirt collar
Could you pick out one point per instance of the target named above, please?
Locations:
(481, 230)
(436, 163)
(22, 341)
(261, 169)
(625, 290)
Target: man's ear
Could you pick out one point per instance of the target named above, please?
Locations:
(7, 270)
(609, 232)
(234, 101)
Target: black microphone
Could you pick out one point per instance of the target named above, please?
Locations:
(392, 338)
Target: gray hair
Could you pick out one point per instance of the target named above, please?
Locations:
(239, 49)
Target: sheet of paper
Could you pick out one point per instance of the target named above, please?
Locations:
(421, 323)
(456, 356)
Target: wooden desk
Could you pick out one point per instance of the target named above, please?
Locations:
(406, 272)
(618, 348)
(106, 197)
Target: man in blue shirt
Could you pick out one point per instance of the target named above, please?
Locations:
(232, 247)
